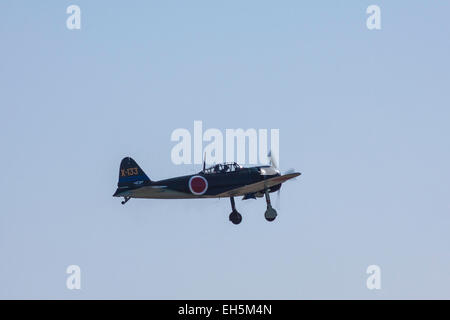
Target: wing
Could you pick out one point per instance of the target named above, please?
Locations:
(258, 186)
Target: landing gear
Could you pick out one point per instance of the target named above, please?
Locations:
(270, 213)
(235, 216)
(125, 200)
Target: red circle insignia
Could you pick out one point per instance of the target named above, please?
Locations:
(198, 185)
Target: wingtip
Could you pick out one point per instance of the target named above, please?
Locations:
(295, 174)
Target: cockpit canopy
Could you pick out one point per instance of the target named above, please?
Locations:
(223, 167)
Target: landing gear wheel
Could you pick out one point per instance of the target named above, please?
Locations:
(235, 217)
(270, 214)
(125, 200)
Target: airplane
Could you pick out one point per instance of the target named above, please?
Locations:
(226, 180)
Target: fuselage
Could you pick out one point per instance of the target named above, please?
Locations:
(211, 184)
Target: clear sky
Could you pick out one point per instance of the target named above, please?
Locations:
(364, 115)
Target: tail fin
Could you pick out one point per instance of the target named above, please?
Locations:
(131, 174)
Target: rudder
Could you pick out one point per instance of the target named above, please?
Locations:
(131, 174)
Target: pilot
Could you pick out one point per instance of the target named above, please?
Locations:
(216, 168)
(225, 168)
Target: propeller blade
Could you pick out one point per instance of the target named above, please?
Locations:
(273, 161)
(278, 201)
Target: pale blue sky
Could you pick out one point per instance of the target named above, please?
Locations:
(364, 115)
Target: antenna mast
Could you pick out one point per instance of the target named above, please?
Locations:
(204, 162)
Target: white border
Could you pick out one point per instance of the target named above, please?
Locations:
(197, 193)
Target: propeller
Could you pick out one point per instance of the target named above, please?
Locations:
(278, 200)
(274, 163)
